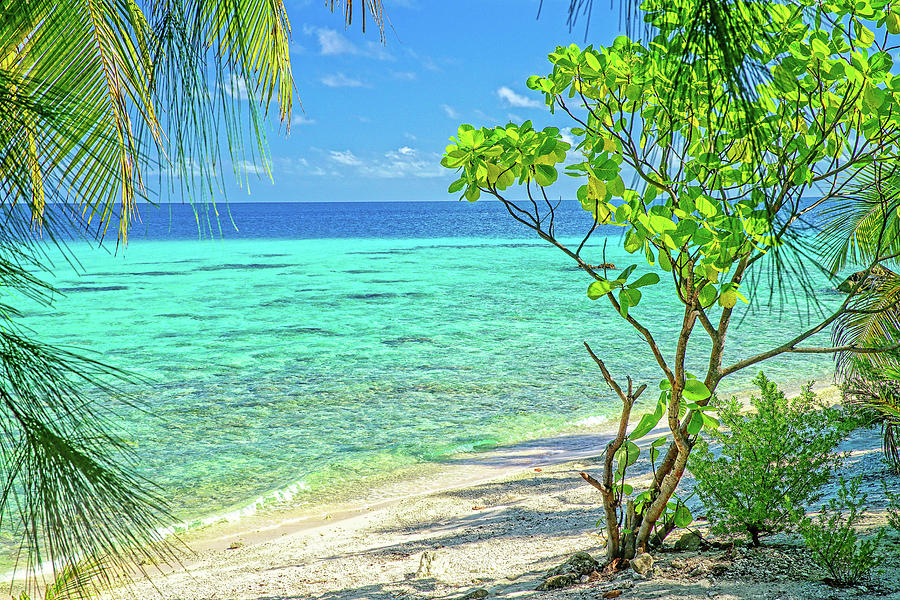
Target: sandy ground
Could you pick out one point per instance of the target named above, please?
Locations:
(500, 535)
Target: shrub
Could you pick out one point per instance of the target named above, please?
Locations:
(893, 509)
(771, 462)
(833, 540)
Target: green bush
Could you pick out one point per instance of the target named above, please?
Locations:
(769, 463)
(893, 509)
(833, 541)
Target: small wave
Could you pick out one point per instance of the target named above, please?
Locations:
(285, 494)
(592, 421)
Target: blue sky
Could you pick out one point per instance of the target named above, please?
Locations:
(375, 118)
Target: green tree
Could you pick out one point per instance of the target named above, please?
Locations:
(705, 211)
(95, 96)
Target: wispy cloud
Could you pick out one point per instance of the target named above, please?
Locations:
(404, 162)
(301, 119)
(403, 75)
(250, 168)
(330, 41)
(345, 157)
(341, 80)
(334, 43)
(518, 100)
(450, 111)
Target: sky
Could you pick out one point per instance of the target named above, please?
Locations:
(376, 117)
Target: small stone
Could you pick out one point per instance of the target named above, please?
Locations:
(555, 582)
(584, 578)
(580, 563)
(718, 569)
(236, 545)
(476, 594)
(689, 542)
(612, 594)
(678, 564)
(642, 564)
(705, 583)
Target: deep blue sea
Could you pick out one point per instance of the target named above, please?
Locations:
(291, 349)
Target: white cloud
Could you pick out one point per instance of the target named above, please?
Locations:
(517, 100)
(341, 80)
(378, 51)
(236, 87)
(300, 119)
(403, 75)
(514, 118)
(250, 168)
(566, 134)
(344, 157)
(333, 43)
(404, 161)
(451, 112)
(410, 136)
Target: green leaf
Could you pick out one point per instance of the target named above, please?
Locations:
(645, 279)
(627, 455)
(544, 175)
(682, 516)
(695, 390)
(649, 421)
(601, 287)
(728, 298)
(630, 297)
(708, 295)
(695, 425)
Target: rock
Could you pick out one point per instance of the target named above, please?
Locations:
(642, 563)
(236, 545)
(678, 564)
(476, 594)
(612, 594)
(873, 281)
(689, 542)
(718, 569)
(580, 563)
(555, 582)
(425, 564)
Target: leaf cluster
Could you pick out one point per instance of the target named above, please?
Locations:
(759, 471)
(707, 192)
(833, 541)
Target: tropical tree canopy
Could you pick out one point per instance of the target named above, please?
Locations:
(707, 186)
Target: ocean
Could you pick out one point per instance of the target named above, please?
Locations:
(321, 347)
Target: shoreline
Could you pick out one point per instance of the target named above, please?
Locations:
(460, 475)
(500, 533)
(584, 439)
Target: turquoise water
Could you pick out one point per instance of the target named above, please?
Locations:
(281, 367)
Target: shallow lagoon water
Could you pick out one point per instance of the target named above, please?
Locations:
(324, 345)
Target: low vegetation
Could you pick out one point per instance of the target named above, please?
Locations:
(768, 464)
(834, 542)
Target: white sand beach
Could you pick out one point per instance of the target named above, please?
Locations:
(496, 527)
